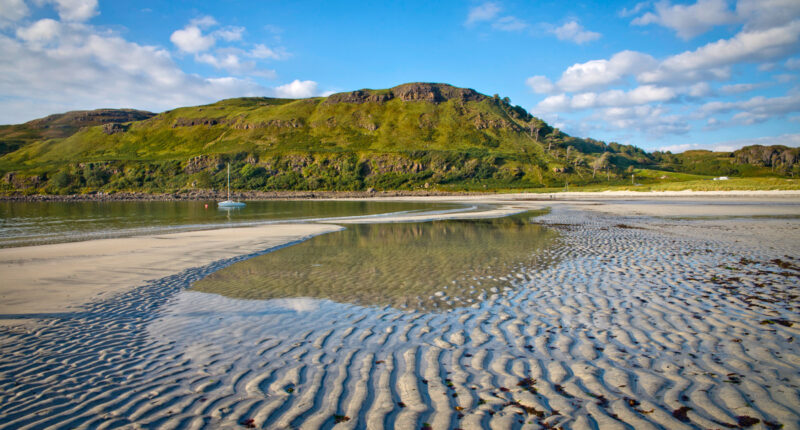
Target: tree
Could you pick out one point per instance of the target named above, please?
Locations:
(535, 127)
(600, 163)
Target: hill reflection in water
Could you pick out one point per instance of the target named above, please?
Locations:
(430, 265)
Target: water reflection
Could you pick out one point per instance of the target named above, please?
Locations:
(34, 223)
(440, 264)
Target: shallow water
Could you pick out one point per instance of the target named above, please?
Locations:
(34, 223)
(440, 264)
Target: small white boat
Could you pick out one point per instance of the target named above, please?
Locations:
(230, 203)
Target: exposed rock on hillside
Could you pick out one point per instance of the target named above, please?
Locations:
(65, 124)
(418, 91)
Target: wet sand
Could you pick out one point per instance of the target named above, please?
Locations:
(643, 322)
(61, 277)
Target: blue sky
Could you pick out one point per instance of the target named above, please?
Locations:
(715, 74)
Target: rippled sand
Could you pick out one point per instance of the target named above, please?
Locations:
(639, 323)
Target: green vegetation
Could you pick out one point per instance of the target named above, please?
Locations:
(413, 136)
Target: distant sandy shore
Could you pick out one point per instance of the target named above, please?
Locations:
(61, 277)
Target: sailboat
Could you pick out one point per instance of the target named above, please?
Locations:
(230, 203)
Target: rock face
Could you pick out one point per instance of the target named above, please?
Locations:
(64, 124)
(237, 124)
(202, 162)
(190, 122)
(114, 128)
(418, 91)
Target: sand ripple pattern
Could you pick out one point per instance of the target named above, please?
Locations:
(636, 327)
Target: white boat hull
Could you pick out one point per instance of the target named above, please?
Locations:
(230, 204)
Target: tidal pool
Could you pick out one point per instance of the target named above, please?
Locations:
(429, 265)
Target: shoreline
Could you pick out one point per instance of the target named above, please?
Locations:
(61, 277)
(326, 195)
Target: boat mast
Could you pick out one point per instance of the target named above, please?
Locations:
(229, 181)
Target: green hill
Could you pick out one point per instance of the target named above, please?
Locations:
(13, 137)
(417, 135)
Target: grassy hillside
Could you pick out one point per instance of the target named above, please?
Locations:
(59, 126)
(410, 136)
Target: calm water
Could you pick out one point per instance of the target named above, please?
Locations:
(440, 264)
(32, 223)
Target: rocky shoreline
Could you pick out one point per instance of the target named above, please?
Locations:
(217, 195)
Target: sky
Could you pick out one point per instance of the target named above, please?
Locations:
(661, 75)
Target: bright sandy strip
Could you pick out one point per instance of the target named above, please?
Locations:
(59, 277)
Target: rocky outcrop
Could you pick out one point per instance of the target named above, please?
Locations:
(273, 123)
(23, 182)
(190, 122)
(385, 163)
(202, 162)
(114, 128)
(775, 155)
(238, 124)
(85, 118)
(481, 123)
(435, 93)
(418, 91)
(360, 96)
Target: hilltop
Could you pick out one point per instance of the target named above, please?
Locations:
(12, 137)
(417, 135)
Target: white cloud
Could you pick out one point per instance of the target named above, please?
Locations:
(689, 21)
(755, 110)
(206, 21)
(12, 11)
(785, 77)
(793, 64)
(600, 73)
(85, 69)
(74, 10)
(232, 62)
(575, 32)
(712, 60)
(650, 120)
(297, 89)
(789, 139)
(700, 89)
(264, 52)
(614, 98)
(230, 34)
(554, 103)
(191, 39)
(739, 88)
(762, 14)
(484, 12)
(509, 23)
(766, 67)
(681, 147)
(540, 84)
(625, 12)
(40, 31)
(225, 61)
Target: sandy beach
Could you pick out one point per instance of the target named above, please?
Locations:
(667, 310)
